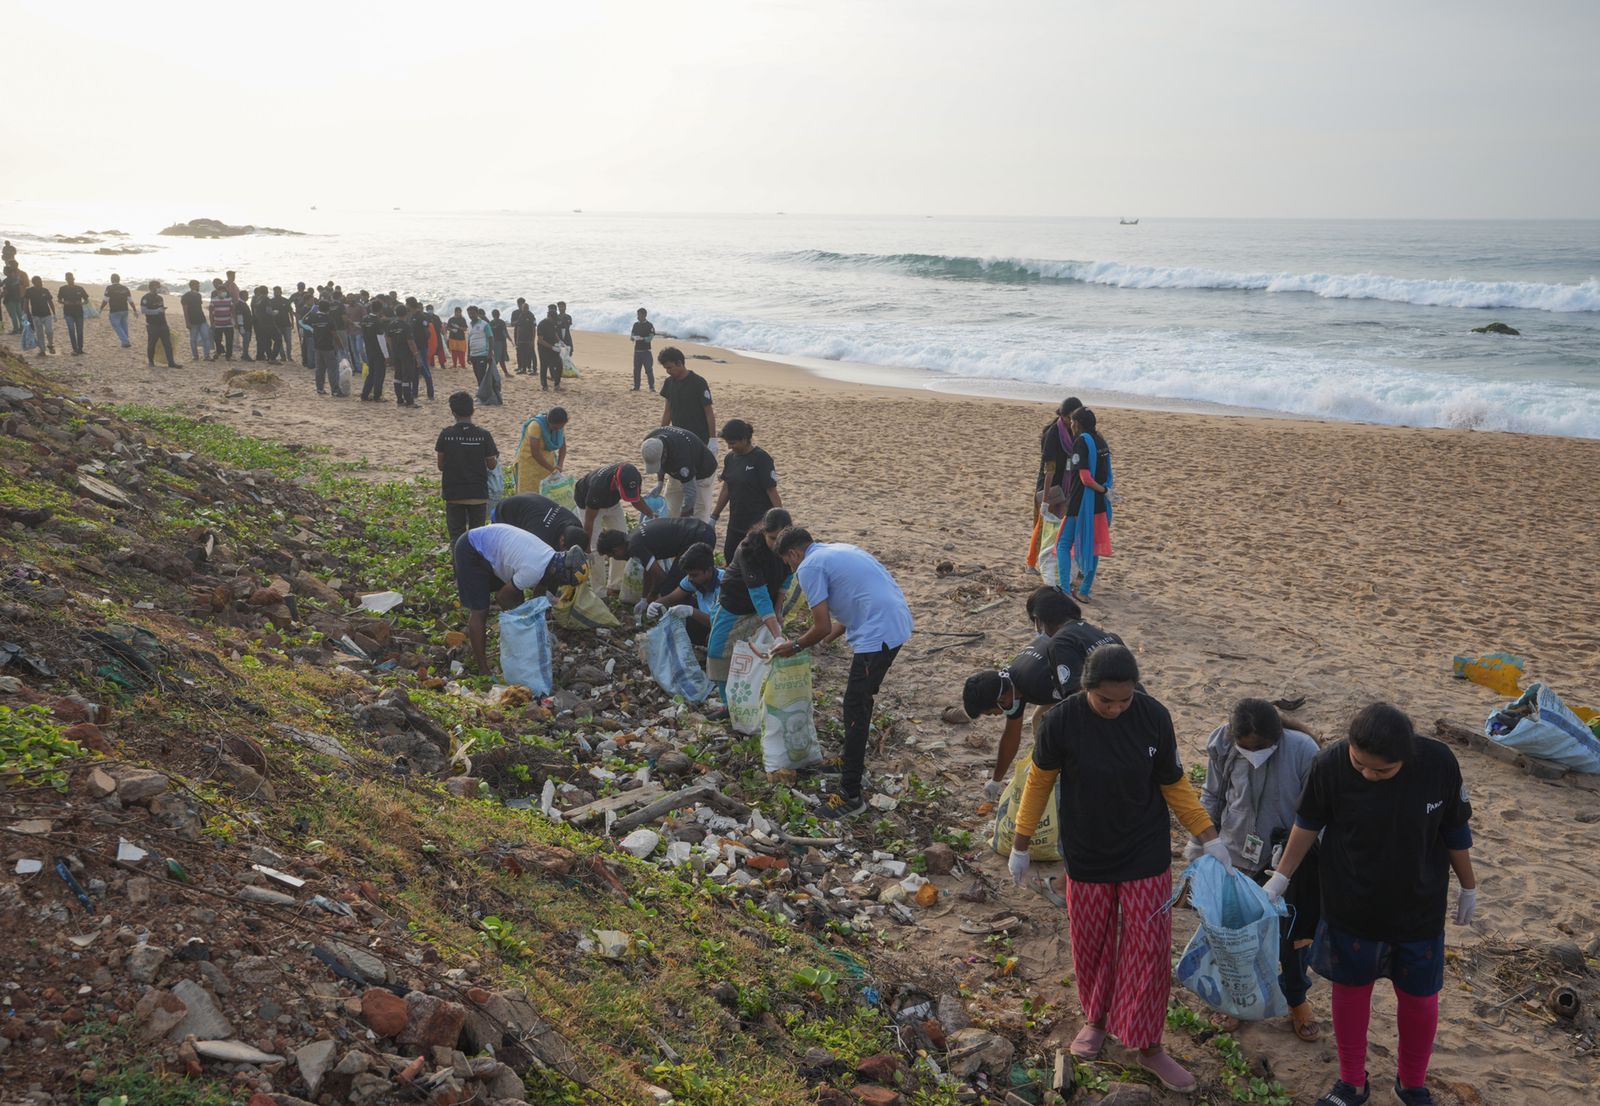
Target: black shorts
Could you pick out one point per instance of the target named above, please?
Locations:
(476, 582)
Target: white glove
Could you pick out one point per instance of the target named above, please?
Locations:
(639, 608)
(714, 445)
(682, 610)
(1276, 886)
(1217, 851)
(1192, 850)
(655, 610)
(1466, 904)
(1018, 866)
(993, 789)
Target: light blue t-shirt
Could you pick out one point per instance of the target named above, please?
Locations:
(516, 556)
(706, 601)
(859, 592)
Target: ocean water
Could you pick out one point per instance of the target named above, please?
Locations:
(1360, 320)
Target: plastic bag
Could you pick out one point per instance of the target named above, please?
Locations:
(747, 672)
(788, 734)
(496, 487)
(578, 607)
(1500, 672)
(656, 503)
(1049, 531)
(525, 646)
(1540, 725)
(557, 487)
(569, 369)
(671, 658)
(345, 375)
(1231, 962)
(28, 339)
(633, 581)
(1046, 844)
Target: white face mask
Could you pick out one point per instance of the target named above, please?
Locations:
(1258, 757)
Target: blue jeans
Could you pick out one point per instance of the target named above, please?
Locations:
(358, 349)
(74, 331)
(119, 326)
(44, 332)
(426, 376)
(200, 341)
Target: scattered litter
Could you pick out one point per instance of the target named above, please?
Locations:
(381, 602)
(13, 654)
(1499, 672)
(282, 877)
(612, 944)
(77, 888)
(129, 853)
(26, 867)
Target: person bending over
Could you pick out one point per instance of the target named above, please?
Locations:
(695, 598)
(671, 451)
(497, 562)
(753, 584)
(544, 518)
(655, 544)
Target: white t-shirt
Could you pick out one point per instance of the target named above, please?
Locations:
(516, 556)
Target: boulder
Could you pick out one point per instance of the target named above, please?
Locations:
(939, 858)
(138, 785)
(1497, 328)
(870, 1095)
(204, 1019)
(969, 1050)
(314, 1060)
(432, 1022)
(384, 1013)
(144, 962)
(881, 1068)
(158, 1013)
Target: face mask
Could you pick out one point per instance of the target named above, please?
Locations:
(1258, 757)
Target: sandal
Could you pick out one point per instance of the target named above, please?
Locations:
(1305, 1024)
(1088, 1043)
(1047, 887)
(1172, 1075)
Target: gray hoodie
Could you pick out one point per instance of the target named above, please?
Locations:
(1243, 800)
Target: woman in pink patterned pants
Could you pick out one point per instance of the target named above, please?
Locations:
(1116, 754)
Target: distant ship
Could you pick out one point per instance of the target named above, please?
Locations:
(1128, 222)
(577, 211)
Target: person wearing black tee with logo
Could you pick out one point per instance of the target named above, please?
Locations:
(671, 451)
(465, 454)
(1115, 753)
(72, 297)
(643, 332)
(753, 585)
(373, 326)
(117, 297)
(1393, 816)
(157, 332)
(548, 336)
(749, 485)
(687, 396)
(600, 495)
(544, 518)
(403, 357)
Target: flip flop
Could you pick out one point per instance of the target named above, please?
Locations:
(1088, 1043)
(1046, 887)
(984, 929)
(1304, 1023)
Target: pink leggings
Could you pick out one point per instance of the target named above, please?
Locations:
(1418, 1019)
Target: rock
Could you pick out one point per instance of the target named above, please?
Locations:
(235, 1052)
(547, 860)
(265, 895)
(384, 1013)
(215, 978)
(1497, 328)
(505, 1083)
(158, 1013)
(204, 1020)
(927, 895)
(89, 736)
(1568, 955)
(818, 1060)
(877, 1096)
(881, 1068)
(144, 962)
(138, 890)
(138, 785)
(969, 1050)
(612, 944)
(674, 763)
(367, 1087)
(432, 1022)
(939, 858)
(372, 969)
(1128, 1094)
(463, 787)
(100, 784)
(314, 1060)
(640, 843)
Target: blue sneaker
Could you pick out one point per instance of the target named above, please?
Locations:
(1343, 1094)
(1412, 1096)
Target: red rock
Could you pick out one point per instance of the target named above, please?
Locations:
(384, 1013)
(880, 1069)
(432, 1022)
(935, 1032)
(766, 863)
(66, 710)
(833, 1096)
(870, 1095)
(410, 1071)
(478, 995)
(940, 858)
(89, 736)
(259, 1099)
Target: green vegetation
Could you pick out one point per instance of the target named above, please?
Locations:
(32, 749)
(1242, 1083)
(218, 441)
(141, 1087)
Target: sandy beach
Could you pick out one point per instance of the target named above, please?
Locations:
(1341, 563)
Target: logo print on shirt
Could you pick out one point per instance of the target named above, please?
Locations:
(1434, 806)
(1152, 750)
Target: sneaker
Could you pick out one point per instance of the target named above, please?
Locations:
(1412, 1096)
(842, 806)
(1343, 1094)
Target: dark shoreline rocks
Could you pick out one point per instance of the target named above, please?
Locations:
(216, 228)
(1497, 328)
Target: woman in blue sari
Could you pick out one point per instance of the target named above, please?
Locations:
(1086, 518)
(543, 450)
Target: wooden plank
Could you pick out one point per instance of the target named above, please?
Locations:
(620, 801)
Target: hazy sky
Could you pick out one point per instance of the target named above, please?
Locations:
(1051, 107)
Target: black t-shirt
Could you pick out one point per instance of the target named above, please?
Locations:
(1115, 826)
(324, 329)
(1384, 863)
(598, 489)
(522, 325)
(566, 327)
(419, 332)
(194, 311)
(39, 300)
(400, 352)
(281, 310)
(687, 400)
(456, 327)
(1053, 454)
(118, 296)
(464, 448)
(497, 327)
(72, 297)
(544, 518)
(1079, 458)
(1032, 678)
(748, 477)
(1068, 650)
(154, 309)
(550, 330)
(642, 333)
(662, 539)
(683, 456)
(754, 565)
(371, 327)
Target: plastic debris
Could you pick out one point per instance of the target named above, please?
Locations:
(381, 602)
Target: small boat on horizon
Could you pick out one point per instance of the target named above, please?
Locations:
(1128, 222)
